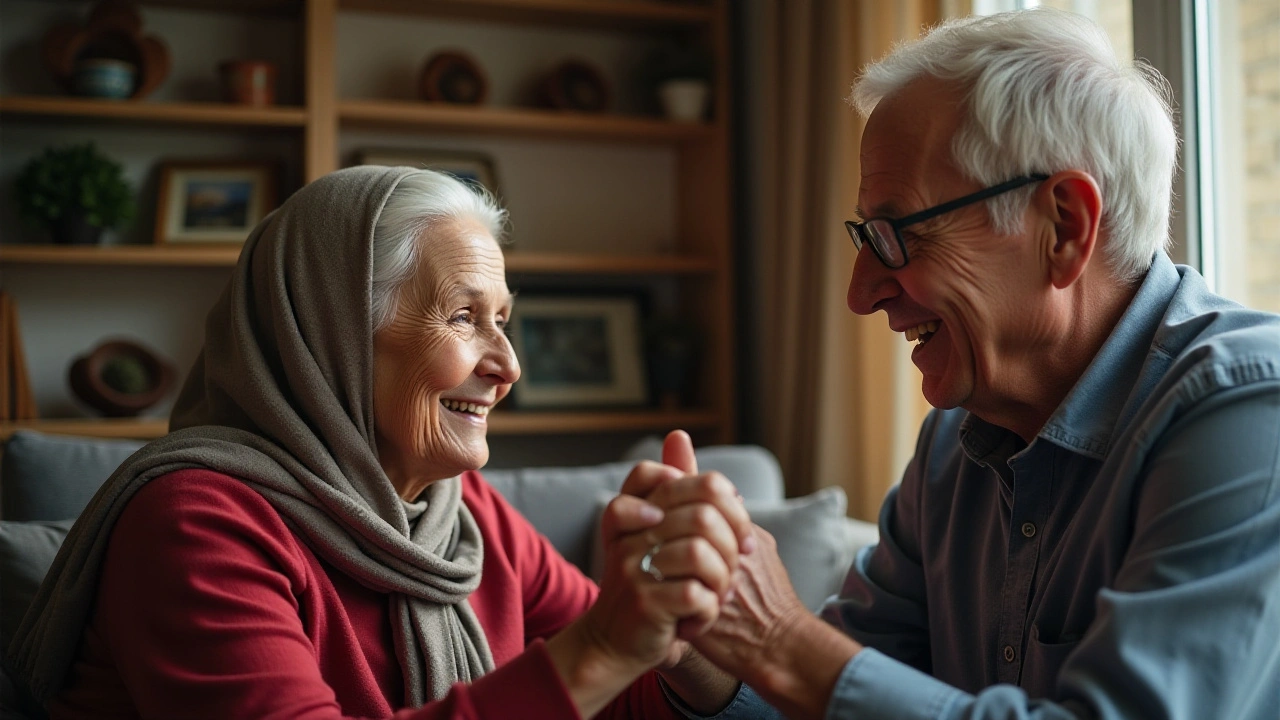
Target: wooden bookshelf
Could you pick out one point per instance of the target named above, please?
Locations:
(700, 182)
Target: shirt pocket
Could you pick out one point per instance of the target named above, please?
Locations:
(1044, 660)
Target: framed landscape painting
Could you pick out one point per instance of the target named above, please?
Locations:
(213, 202)
(578, 352)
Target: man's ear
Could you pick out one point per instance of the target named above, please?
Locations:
(1072, 201)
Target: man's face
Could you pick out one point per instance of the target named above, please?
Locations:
(973, 293)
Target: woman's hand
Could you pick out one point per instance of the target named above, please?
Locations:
(638, 615)
(696, 523)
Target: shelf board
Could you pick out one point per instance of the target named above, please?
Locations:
(611, 15)
(512, 422)
(500, 423)
(179, 113)
(252, 7)
(120, 428)
(197, 256)
(218, 256)
(412, 115)
(564, 263)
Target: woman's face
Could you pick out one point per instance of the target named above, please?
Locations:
(444, 361)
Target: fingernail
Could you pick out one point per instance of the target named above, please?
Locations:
(729, 596)
(651, 513)
(749, 545)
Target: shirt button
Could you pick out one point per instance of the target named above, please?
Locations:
(1028, 529)
(1008, 653)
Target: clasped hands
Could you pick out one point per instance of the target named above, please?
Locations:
(682, 554)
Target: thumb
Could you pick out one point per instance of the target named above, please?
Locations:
(677, 451)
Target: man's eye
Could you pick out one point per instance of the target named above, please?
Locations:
(462, 317)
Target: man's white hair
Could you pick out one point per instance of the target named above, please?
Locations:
(420, 201)
(1044, 92)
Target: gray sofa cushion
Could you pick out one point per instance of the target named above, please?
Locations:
(47, 477)
(561, 502)
(27, 550)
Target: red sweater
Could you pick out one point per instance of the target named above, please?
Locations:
(210, 607)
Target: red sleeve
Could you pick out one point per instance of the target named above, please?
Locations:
(556, 593)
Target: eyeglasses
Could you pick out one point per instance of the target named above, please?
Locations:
(882, 233)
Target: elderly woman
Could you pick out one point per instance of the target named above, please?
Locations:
(311, 539)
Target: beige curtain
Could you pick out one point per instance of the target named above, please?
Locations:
(837, 397)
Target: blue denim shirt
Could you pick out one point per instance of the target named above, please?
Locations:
(1124, 564)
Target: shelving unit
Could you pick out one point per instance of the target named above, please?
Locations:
(697, 258)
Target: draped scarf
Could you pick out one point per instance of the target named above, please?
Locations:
(281, 397)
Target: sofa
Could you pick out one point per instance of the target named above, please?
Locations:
(46, 480)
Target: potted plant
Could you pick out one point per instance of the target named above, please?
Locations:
(75, 191)
(681, 77)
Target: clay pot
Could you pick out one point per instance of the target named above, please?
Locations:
(249, 82)
(91, 378)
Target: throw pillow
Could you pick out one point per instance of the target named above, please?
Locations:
(27, 549)
(813, 537)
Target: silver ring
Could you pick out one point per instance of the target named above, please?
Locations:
(647, 566)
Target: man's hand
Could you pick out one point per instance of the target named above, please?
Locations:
(768, 638)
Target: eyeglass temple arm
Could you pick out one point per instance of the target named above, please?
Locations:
(960, 202)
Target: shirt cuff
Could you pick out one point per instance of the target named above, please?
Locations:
(745, 705)
(874, 685)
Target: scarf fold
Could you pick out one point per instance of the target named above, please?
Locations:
(281, 397)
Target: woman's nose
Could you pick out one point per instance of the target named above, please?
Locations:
(500, 363)
(870, 284)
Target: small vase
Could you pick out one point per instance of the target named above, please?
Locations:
(684, 100)
(249, 82)
(73, 228)
(104, 78)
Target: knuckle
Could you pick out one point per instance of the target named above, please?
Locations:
(689, 593)
(705, 518)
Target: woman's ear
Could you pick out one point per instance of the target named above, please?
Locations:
(1072, 201)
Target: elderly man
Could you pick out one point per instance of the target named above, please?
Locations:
(1090, 526)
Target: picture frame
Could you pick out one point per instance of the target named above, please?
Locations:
(473, 168)
(212, 202)
(578, 351)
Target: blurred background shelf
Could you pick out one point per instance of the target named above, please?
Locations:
(174, 113)
(422, 116)
(517, 262)
(506, 422)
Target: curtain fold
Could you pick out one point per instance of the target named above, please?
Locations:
(836, 397)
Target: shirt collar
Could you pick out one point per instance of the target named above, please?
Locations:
(1085, 421)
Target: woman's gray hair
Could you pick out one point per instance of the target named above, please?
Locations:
(419, 201)
(1046, 92)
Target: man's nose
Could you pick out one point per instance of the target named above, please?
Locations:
(871, 283)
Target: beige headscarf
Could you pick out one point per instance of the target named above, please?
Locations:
(282, 398)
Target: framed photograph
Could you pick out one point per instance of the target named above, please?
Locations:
(471, 168)
(213, 202)
(578, 351)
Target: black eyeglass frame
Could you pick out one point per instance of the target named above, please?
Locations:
(858, 229)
